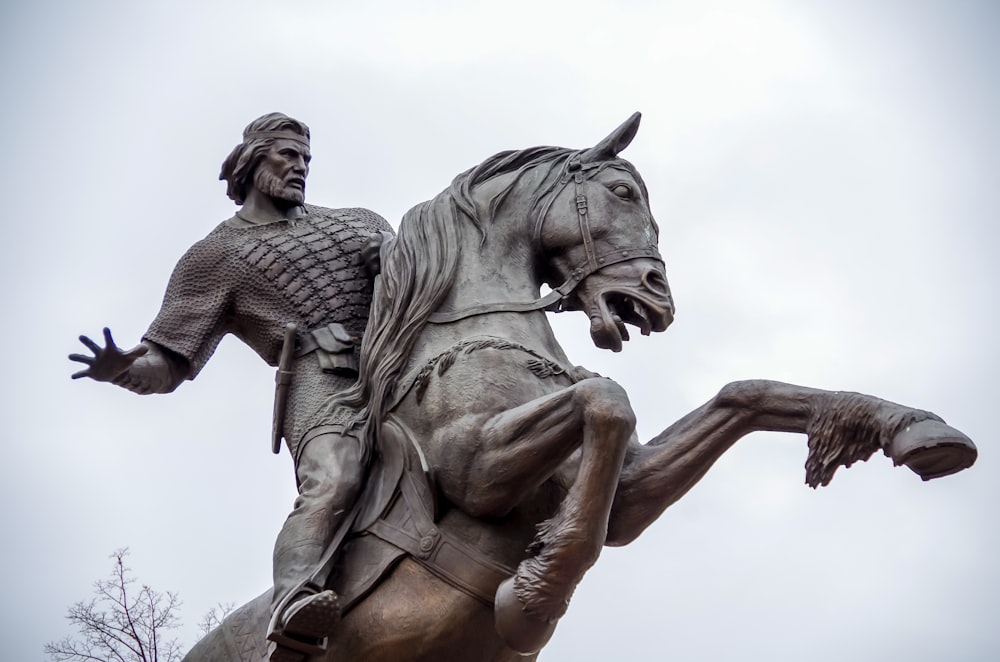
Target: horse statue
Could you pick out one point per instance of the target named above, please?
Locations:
(498, 469)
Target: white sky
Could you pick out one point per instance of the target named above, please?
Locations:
(826, 178)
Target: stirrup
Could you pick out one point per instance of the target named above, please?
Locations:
(279, 653)
(302, 622)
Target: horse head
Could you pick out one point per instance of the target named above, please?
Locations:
(599, 237)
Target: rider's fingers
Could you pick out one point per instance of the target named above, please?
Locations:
(82, 358)
(136, 352)
(91, 345)
(109, 342)
(82, 373)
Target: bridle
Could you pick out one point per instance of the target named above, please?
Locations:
(553, 301)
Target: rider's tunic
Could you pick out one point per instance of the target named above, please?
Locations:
(252, 280)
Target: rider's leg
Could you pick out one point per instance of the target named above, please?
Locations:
(329, 473)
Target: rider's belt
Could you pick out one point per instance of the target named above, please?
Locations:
(334, 349)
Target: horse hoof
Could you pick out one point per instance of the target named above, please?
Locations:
(519, 630)
(932, 449)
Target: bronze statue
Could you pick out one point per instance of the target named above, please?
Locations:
(499, 470)
(292, 281)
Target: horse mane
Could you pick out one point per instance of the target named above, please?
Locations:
(418, 269)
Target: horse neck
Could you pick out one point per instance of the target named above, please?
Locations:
(500, 270)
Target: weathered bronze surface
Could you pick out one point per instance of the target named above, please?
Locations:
(276, 262)
(497, 470)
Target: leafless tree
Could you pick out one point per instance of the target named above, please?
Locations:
(121, 623)
(214, 617)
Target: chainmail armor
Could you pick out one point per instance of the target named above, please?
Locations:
(252, 281)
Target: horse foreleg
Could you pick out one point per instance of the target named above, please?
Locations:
(522, 447)
(842, 428)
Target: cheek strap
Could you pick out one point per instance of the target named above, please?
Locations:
(592, 264)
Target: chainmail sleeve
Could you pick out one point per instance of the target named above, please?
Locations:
(197, 305)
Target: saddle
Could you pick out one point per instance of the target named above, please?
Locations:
(396, 518)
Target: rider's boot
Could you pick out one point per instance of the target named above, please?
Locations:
(301, 623)
(304, 612)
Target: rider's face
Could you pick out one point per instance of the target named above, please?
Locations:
(281, 175)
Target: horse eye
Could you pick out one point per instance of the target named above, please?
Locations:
(622, 191)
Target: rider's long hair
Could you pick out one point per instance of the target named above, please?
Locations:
(238, 168)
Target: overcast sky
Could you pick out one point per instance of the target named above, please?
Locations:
(825, 175)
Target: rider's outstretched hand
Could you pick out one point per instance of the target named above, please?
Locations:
(108, 362)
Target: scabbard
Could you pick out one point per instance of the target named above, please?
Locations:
(282, 382)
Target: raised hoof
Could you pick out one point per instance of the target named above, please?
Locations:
(520, 630)
(932, 449)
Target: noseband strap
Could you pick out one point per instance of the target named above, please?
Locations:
(592, 263)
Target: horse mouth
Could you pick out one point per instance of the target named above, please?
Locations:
(617, 310)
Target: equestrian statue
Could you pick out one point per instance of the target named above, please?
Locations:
(496, 470)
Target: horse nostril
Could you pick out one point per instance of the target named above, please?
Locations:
(654, 281)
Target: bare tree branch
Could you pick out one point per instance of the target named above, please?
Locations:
(119, 623)
(214, 617)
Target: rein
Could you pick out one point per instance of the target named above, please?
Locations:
(593, 263)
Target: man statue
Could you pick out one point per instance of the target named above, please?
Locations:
(276, 262)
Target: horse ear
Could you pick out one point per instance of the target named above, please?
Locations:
(618, 140)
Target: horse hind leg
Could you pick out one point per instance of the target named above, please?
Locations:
(529, 604)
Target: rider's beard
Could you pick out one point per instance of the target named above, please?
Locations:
(274, 187)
